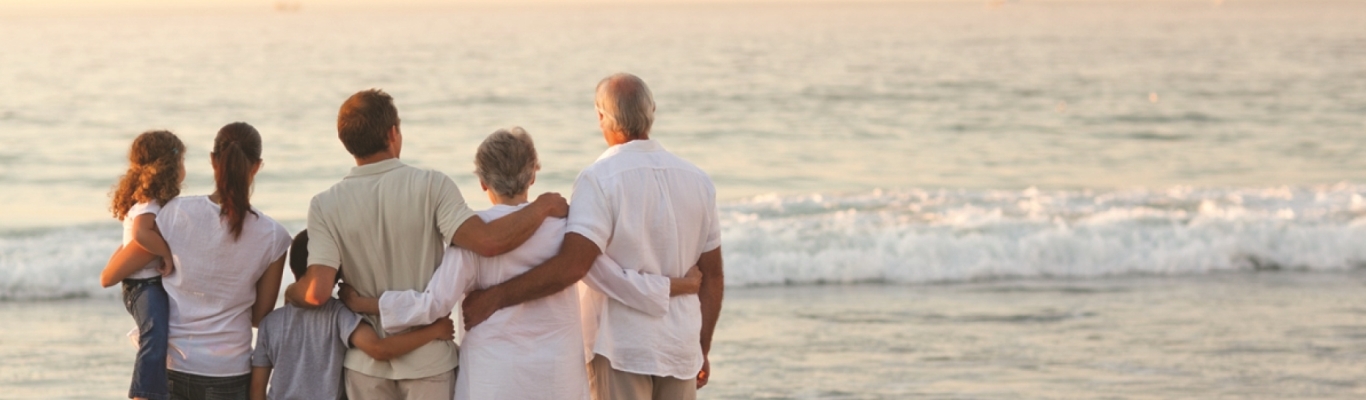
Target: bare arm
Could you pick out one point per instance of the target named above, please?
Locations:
(489, 239)
(126, 261)
(357, 303)
(260, 376)
(365, 339)
(713, 290)
(147, 246)
(267, 290)
(569, 266)
(147, 236)
(314, 288)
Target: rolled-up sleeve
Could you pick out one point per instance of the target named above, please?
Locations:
(322, 243)
(590, 214)
(451, 209)
(402, 310)
(646, 293)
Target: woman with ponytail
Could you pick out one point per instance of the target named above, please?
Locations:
(229, 259)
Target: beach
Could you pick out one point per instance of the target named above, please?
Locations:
(1272, 335)
(956, 199)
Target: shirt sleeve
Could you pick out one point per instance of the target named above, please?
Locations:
(591, 214)
(143, 208)
(713, 223)
(646, 293)
(347, 322)
(451, 210)
(260, 357)
(401, 310)
(322, 245)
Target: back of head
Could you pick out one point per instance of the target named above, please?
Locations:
(364, 122)
(236, 150)
(507, 161)
(298, 255)
(626, 104)
(153, 174)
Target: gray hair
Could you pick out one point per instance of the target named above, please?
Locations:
(507, 161)
(626, 104)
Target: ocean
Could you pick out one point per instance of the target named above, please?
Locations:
(959, 199)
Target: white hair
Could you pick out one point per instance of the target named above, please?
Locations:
(507, 161)
(626, 104)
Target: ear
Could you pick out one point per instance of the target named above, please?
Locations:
(482, 185)
(599, 116)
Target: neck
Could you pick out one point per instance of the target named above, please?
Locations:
(508, 201)
(622, 138)
(374, 158)
(215, 198)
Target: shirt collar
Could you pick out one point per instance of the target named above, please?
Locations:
(635, 146)
(375, 168)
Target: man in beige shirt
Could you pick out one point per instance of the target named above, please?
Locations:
(388, 224)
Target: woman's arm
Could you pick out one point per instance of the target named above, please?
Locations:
(126, 261)
(400, 310)
(267, 290)
(647, 293)
(365, 339)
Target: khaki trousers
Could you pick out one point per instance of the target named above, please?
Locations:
(365, 387)
(610, 384)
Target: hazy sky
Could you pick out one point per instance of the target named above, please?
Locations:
(43, 6)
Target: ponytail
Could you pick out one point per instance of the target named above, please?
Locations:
(236, 150)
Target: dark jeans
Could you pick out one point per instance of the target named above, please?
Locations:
(146, 300)
(194, 387)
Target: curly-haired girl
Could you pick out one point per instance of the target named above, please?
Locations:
(156, 168)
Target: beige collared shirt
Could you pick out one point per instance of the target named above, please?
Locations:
(386, 226)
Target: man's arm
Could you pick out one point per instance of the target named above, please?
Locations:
(713, 290)
(365, 339)
(489, 239)
(575, 258)
(314, 288)
(260, 376)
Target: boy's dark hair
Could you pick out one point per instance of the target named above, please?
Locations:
(364, 122)
(298, 255)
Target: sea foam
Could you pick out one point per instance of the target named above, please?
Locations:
(916, 236)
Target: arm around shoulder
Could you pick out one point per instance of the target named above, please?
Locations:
(489, 239)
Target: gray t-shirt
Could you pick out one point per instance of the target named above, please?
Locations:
(306, 348)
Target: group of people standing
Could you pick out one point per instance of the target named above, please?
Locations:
(614, 298)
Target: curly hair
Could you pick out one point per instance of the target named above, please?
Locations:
(153, 174)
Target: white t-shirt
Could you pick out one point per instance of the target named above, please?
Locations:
(533, 350)
(654, 212)
(150, 270)
(214, 286)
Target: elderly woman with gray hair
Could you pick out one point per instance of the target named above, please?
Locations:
(534, 350)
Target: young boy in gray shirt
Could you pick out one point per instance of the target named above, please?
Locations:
(301, 350)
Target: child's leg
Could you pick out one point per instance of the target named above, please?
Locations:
(146, 300)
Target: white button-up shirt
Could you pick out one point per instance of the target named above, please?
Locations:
(654, 212)
(533, 350)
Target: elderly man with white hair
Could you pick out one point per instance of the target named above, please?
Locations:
(648, 210)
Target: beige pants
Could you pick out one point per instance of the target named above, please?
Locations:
(610, 384)
(365, 387)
